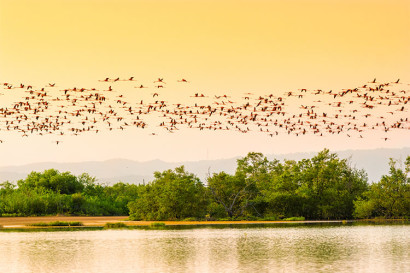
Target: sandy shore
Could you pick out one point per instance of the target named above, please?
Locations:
(100, 221)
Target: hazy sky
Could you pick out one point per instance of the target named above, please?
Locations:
(221, 47)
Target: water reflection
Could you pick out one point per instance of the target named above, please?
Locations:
(285, 249)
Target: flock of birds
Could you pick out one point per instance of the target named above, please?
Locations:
(50, 109)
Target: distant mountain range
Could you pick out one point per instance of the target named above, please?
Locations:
(374, 162)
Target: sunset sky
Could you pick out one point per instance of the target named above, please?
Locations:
(220, 47)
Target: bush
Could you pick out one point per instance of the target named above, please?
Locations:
(216, 211)
(270, 218)
(114, 225)
(190, 219)
(11, 215)
(57, 224)
(295, 219)
(157, 224)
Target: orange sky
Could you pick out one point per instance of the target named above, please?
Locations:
(220, 46)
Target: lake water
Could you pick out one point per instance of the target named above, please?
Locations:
(293, 248)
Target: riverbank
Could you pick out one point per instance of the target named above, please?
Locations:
(100, 221)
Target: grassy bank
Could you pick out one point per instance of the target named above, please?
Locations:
(57, 224)
(112, 222)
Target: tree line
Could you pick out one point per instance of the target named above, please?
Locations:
(323, 187)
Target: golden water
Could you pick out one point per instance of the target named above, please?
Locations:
(384, 248)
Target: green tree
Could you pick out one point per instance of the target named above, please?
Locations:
(329, 186)
(239, 194)
(172, 195)
(390, 197)
(7, 187)
(64, 183)
(230, 192)
(280, 191)
(120, 194)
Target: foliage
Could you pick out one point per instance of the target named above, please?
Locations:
(270, 218)
(323, 187)
(328, 187)
(114, 225)
(52, 192)
(390, 197)
(229, 192)
(173, 195)
(57, 224)
(295, 219)
(157, 224)
(64, 183)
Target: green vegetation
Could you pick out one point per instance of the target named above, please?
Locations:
(51, 193)
(57, 224)
(323, 187)
(157, 224)
(295, 219)
(389, 198)
(114, 225)
(173, 195)
(190, 219)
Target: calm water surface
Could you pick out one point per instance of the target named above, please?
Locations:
(371, 248)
